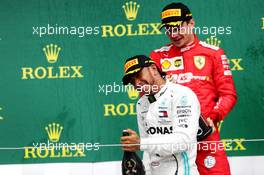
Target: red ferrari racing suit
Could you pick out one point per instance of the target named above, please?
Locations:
(205, 69)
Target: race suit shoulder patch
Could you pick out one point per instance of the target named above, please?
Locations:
(164, 48)
(208, 45)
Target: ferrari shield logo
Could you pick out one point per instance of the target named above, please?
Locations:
(199, 61)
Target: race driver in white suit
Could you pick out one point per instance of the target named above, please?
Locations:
(167, 117)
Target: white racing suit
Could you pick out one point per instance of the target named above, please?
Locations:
(168, 129)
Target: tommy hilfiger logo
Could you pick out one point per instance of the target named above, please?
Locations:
(163, 114)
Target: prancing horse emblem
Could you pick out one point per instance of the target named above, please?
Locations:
(199, 61)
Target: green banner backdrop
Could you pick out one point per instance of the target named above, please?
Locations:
(62, 62)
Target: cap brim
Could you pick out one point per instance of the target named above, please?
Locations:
(128, 75)
(178, 23)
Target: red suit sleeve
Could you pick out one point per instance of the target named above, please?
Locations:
(225, 87)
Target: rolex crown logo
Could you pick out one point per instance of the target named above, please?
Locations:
(131, 10)
(54, 131)
(52, 52)
(213, 41)
(132, 92)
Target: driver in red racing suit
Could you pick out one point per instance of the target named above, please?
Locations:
(203, 68)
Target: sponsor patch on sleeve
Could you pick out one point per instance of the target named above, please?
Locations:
(225, 63)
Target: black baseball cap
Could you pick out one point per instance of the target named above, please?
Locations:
(174, 14)
(134, 65)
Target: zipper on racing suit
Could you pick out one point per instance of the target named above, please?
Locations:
(177, 165)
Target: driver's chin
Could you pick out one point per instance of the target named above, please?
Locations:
(179, 43)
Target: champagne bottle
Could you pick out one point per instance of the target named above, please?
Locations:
(204, 129)
(131, 163)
